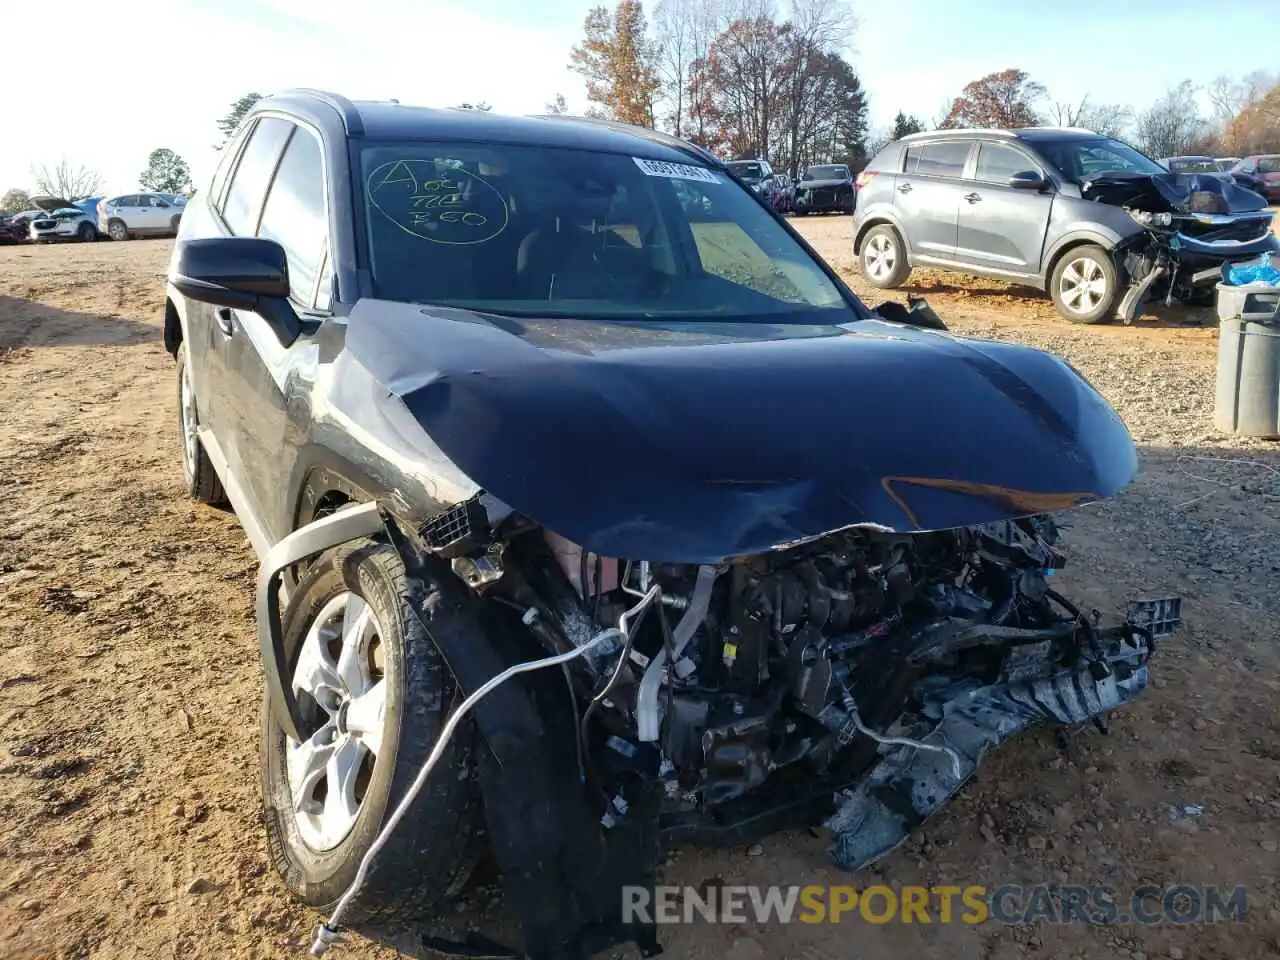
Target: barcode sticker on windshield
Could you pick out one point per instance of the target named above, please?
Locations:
(678, 171)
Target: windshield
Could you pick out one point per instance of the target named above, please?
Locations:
(827, 173)
(538, 231)
(746, 169)
(1080, 160)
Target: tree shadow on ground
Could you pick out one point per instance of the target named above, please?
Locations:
(26, 324)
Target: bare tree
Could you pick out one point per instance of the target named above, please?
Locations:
(674, 23)
(66, 180)
(1233, 99)
(1230, 96)
(819, 30)
(1068, 113)
(1108, 119)
(1172, 124)
(706, 20)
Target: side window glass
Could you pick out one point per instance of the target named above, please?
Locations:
(293, 215)
(253, 173)
(913, 158)
(225, 163)
(943, 158)
(997, 163)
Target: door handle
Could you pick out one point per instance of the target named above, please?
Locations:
(972, 197)
(904, 188)
(222, 316)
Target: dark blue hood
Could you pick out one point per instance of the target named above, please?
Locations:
(693, 442)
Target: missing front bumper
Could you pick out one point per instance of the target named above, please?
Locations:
(910, 784)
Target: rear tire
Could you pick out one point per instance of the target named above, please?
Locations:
(197, 470)
(435, 848)
(117, 230)
(1085, 285)
(883, 258)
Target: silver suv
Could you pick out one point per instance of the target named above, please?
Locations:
(140, 215)
(1100, 226)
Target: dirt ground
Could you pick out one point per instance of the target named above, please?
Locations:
(129, 676)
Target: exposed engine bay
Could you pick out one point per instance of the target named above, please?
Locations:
(754, 689)
(1194, 225)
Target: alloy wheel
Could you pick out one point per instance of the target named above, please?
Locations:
(341, 670)
(1082, 285)
(881, 256)
(190, 423)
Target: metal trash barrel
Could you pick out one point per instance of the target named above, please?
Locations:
(1248, 390)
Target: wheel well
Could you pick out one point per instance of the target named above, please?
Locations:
(328, 503)
(172, 328)
(867, 228)
(1066, 248)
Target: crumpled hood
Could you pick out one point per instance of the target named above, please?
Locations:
(693, 442)
(1172, 193)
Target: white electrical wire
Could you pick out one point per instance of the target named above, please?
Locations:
(862, 728)
(327, 932)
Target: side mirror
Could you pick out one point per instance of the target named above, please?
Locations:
(243, 273)
(1027, 180)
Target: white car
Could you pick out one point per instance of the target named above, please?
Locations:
(140, 215)
(61, 220)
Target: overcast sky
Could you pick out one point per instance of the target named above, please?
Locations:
(131, 75)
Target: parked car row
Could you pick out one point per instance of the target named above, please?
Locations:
(1260, 174)
(822, 188)
(120, 218)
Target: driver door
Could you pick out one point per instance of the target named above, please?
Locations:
(266, 382)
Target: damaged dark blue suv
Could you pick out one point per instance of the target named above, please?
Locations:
(485, 390)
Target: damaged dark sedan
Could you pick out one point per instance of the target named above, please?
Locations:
(485, 397)
(1104, 229)
(825, 188)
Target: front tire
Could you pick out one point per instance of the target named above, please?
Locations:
(87, 233)
(117, 230)
(197, 470)
(884, 258)
(378, 693)
(1084, 285)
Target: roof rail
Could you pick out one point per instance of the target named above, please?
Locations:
(351, 118)
(648, 133)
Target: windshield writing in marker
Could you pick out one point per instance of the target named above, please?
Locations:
(450, 205)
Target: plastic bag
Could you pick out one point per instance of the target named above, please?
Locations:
(1261, 270)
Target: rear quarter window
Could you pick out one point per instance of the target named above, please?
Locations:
(889, 159)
